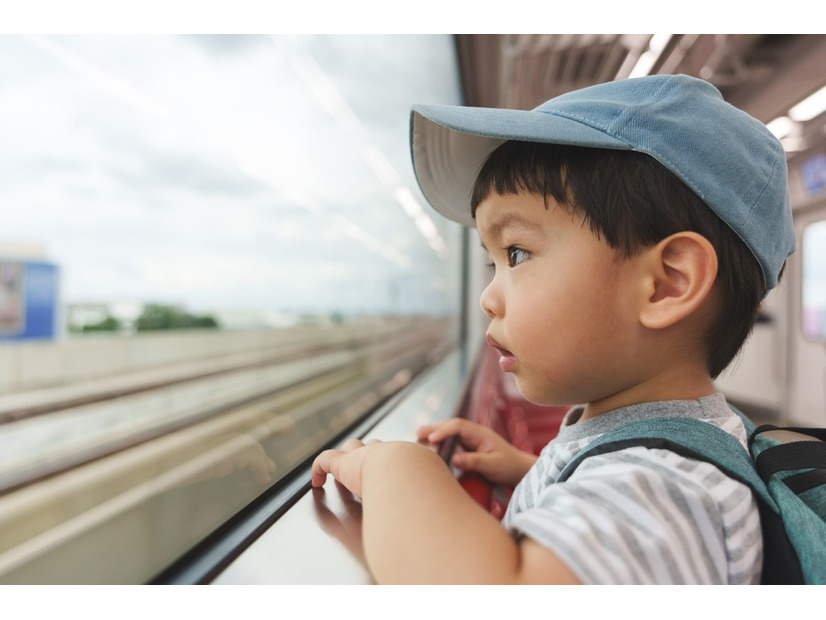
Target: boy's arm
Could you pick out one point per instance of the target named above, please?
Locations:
(419, 526)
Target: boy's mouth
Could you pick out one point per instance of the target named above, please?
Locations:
(507, 360)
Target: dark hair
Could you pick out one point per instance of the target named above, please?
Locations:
(633, 202)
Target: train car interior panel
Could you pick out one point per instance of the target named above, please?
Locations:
(201, 472)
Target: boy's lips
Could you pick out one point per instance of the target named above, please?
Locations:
(507, 360)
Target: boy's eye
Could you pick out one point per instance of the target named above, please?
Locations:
(516, 255)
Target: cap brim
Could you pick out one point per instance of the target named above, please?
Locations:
(449, 145)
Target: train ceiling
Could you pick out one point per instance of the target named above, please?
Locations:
(764, 74)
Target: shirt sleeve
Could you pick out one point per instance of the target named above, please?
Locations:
(647, 516)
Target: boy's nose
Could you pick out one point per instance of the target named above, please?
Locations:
(490, 301)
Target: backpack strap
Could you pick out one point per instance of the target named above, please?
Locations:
(794, 455)
(686, 436)
(706, 442)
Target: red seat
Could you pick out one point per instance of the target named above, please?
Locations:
(493, 400)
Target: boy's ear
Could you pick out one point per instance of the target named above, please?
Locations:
(679, 273)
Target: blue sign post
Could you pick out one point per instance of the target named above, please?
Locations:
(29, 299)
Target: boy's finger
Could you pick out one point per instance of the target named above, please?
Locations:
(321, 467)
(440, 431)
(472, 461)
(423, 431)
(470, 435)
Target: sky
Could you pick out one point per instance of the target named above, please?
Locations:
(227, 171)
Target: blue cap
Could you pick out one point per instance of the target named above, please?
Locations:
(729, 159)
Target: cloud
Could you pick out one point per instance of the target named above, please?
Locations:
(168, 167)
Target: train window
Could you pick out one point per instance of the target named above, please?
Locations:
(814, 281)
(214, 259)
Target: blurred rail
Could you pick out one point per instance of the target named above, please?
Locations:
(182, 447)
(11, 411)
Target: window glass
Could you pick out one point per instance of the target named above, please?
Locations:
(214, 258)
(814, 281)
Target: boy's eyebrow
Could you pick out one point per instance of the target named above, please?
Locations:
(508, 220)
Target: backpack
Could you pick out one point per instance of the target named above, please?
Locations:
(787, 479)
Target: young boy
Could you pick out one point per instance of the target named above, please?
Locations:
(633, 227)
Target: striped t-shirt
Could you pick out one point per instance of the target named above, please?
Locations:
(641, 515)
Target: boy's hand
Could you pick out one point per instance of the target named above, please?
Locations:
(348, 463)
(487, 452)
(419, 525)
(344, 464)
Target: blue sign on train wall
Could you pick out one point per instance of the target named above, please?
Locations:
(813, 171)
(28, 299)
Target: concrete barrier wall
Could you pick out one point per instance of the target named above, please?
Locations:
(35, 365)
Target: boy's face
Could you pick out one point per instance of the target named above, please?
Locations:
(561, 303)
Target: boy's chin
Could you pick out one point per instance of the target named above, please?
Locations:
(535, 395)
